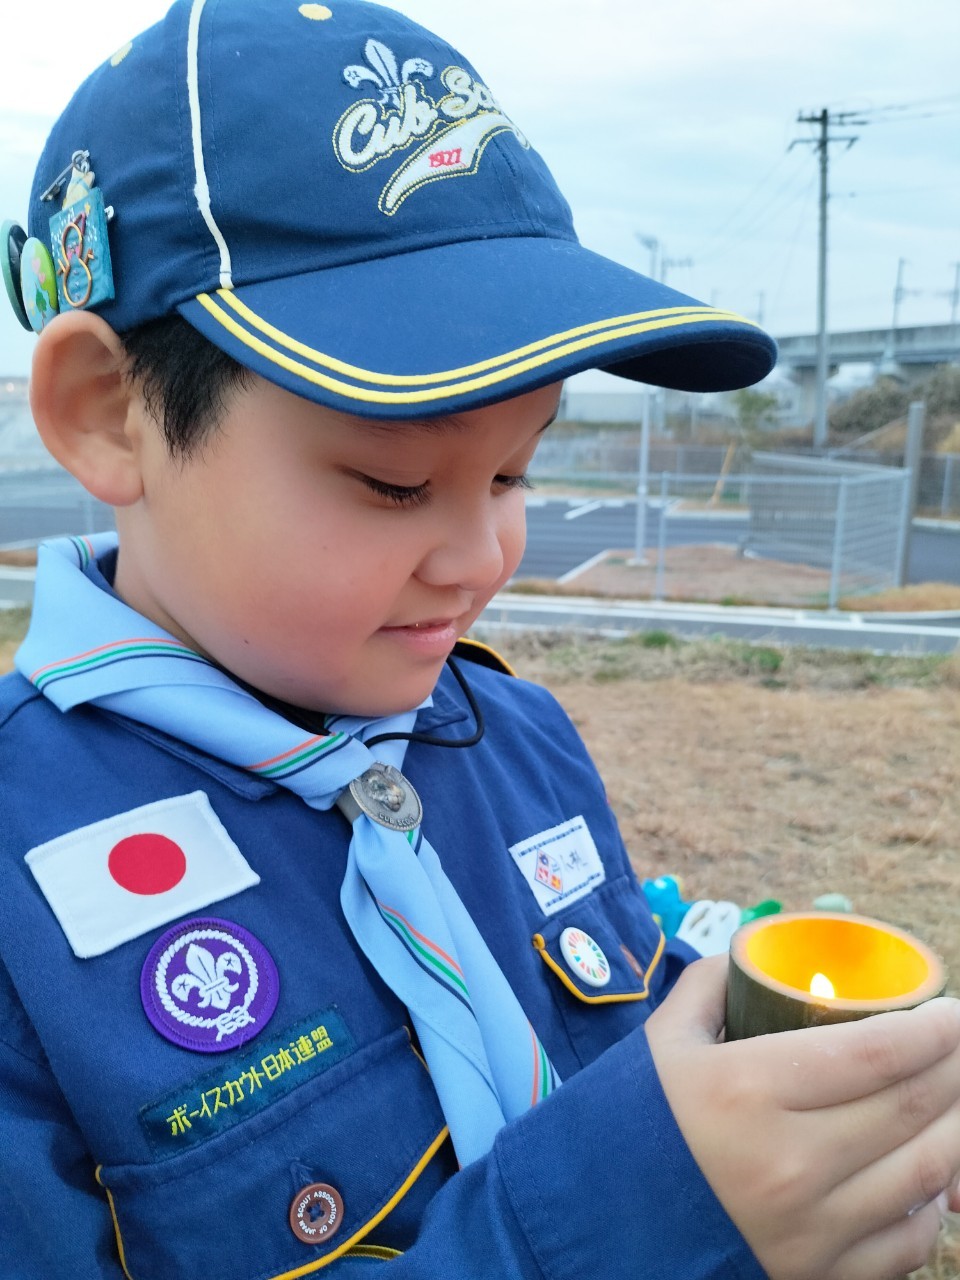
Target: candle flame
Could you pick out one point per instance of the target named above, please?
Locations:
(820, 985)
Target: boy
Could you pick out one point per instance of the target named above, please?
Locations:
(304, 920)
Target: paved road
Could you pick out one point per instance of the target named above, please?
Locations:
(562, 535)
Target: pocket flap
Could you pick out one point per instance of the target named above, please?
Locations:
(600, 950)
(364, 1132)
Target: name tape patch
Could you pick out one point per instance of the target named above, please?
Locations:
(217, 1101)
(560, 865)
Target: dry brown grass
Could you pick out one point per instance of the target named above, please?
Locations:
(918, 597)
(21, 557)
(754, 772)
(719, 574)
(13, 624)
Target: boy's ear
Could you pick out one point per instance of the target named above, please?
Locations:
(86, 411)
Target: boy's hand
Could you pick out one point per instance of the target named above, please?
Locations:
(828, 1147)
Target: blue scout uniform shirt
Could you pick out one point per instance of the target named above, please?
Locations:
(124, 1153)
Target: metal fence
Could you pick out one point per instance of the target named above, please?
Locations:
(610, 460)
(938, 493)
(46, 502)
(810, 534)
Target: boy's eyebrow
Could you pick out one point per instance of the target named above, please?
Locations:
(430, 426)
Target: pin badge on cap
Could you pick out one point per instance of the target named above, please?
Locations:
(78, 237)
(12, 239)
(74, 271)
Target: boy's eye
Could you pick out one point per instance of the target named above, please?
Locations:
(416, 495)
(513, 482)
(402, 495)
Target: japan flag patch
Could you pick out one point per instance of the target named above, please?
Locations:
(120, 878)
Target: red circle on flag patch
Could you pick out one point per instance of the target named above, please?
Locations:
(147, 863)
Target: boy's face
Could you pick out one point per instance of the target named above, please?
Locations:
(325, 559)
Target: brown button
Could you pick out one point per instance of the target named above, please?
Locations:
(316, 1213)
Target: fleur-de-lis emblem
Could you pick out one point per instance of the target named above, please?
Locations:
(384, 71)
(208, 977)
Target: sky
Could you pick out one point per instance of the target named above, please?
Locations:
(666, 122)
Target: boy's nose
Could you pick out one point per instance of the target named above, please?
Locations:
(468, 553)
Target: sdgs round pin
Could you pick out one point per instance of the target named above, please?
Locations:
(209, 985)
(584, 957)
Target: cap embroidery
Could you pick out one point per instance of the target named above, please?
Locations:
(453, 131)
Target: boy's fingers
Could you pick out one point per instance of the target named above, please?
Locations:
(882, 1125)
(836, 1064)
(918, 1172)
(892, 1252)
(697, 1003)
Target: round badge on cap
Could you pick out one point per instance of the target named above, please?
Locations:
(316, 1213)
(209, 985)
(585, 957)
(38, 284)
(12, 239)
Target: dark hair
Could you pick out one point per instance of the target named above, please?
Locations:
(185, 380)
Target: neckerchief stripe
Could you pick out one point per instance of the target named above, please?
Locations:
(427, 954)
(103, 653)
(299, 756)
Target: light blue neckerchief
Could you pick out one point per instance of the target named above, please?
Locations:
(85, 645)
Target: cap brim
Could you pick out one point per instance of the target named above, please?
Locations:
(458, 326)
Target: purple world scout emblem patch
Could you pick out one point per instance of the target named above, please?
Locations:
(209, 985)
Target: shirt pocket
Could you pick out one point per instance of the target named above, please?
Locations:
(368, 1133)
(602, 957)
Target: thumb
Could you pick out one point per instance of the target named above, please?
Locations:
(696, 1007)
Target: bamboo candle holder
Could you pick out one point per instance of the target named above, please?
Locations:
(784, 967)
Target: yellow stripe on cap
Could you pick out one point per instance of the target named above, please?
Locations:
(326, 361)
(546, 350)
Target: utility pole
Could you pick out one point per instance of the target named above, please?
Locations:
(667, 263)
(954, 296)
(822, 143)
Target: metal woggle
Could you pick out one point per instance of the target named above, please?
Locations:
(385, 796)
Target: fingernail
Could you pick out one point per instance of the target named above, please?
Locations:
(942, 1204)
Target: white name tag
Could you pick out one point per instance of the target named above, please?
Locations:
(560, 865)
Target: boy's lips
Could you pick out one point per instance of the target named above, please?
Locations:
(428, 634)
(428, 624)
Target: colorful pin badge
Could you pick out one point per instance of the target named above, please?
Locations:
(38, 284)
(585, 957)
(12, 239)
(78, 238)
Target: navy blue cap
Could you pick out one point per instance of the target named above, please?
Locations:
(332, 195)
